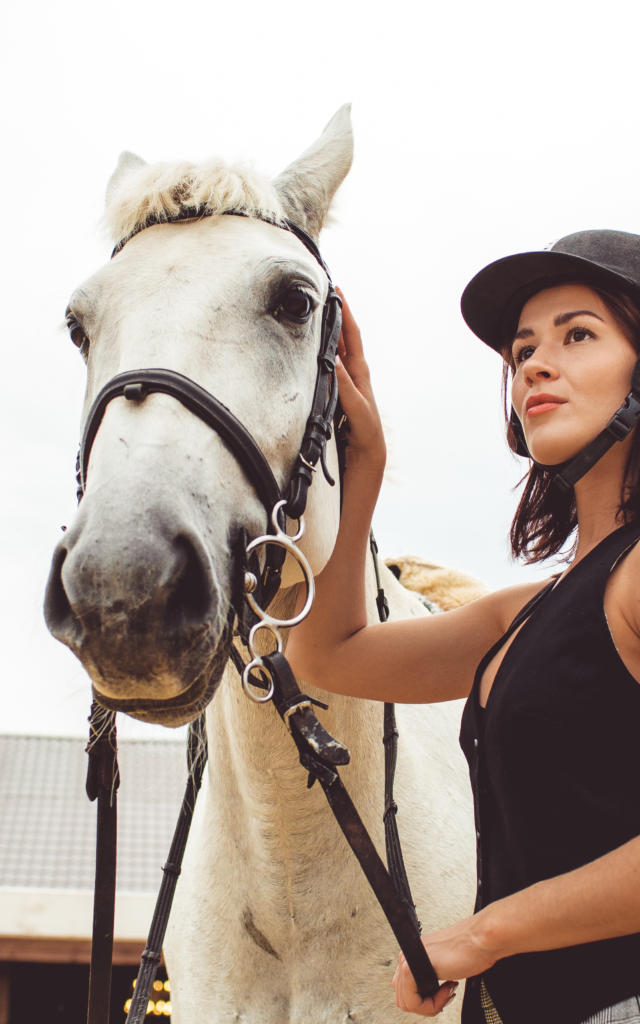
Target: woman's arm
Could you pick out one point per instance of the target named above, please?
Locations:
(426, 659)
(600, 900)
(339, 608)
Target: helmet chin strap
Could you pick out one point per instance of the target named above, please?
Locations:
(566, 474)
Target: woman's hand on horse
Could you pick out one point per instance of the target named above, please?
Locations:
(366, 447)
(460, 951)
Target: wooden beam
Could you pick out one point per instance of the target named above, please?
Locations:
(64, 951)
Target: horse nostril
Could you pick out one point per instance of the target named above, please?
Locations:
(190, 600)
(57, 610)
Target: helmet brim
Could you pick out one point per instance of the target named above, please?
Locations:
(492, 301)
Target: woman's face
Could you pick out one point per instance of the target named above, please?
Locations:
(572, 370)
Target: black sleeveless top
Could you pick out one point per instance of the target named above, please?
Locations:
(554, 760)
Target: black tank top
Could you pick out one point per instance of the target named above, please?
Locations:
(554, 760)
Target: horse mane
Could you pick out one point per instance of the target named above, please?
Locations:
(151, 193)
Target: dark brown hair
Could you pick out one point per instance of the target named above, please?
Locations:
(546, 516)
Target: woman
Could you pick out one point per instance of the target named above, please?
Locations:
(551, 672)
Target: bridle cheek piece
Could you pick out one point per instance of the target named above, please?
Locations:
(266, 677)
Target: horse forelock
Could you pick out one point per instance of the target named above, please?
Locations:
(152, 193)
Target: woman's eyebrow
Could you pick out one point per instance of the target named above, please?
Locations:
(562, 318)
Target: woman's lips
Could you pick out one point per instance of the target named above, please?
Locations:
(537, 404)
(537, 410)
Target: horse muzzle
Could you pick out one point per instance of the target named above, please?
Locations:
(145, 613)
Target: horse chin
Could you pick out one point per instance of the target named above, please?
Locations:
(185, 705)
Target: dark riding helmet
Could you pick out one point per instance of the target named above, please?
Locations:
(492, 301)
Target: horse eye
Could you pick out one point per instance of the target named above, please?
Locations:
(294, 305)
(77, 335)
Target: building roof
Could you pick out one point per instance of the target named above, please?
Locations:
(47, 840)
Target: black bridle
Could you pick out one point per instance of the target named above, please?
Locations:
(319, 753)
(135, 385)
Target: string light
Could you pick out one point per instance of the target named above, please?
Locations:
(155, 1007)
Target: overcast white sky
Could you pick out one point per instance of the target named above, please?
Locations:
(480, 129)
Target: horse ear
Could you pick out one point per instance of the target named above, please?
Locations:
(127, 163)
(308, 185)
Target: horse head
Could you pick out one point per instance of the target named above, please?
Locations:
(143, 585)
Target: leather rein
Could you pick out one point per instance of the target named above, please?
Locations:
(266, 677)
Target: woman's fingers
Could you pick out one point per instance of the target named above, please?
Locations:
(366, 438)
(350, 346)
(409, 999)
(359, 405)
(348, 388)
(351, 351)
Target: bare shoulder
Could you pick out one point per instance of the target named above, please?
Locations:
(479, 624)
(623, 591)
(505, 604)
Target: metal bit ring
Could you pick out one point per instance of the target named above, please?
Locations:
(247, 685)
(275, 632)
(282, 541)
(277, 508)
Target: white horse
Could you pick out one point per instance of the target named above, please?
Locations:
(273, 920)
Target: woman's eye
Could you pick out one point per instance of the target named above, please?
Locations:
(523, 353)
(295, 305)
(579, 334)
(77, 335)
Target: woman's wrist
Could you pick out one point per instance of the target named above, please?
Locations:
(491, 931)
(509, 926)
(361, 489)
(367, 462)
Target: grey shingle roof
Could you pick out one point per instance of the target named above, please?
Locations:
(47, 823)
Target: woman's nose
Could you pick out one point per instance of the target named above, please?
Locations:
(538, 367)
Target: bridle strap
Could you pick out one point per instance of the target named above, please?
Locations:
(152, 955)
(135, 385)
(325, 395)
(395, 859)
(323, 407)
(103, 779)
(321, 755)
